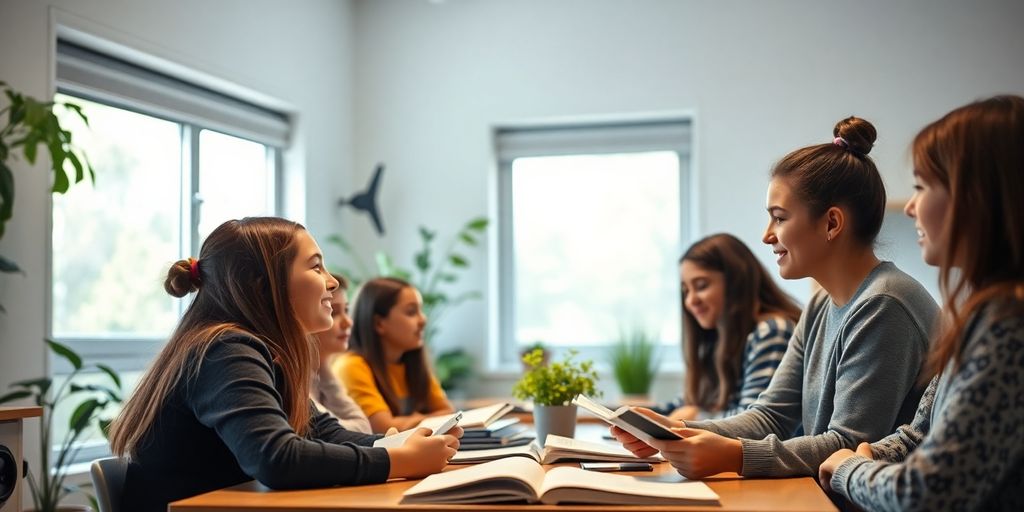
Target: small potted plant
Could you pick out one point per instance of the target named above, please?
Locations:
(47, 485)
(552, 387)
(634, 362)
(537, 345)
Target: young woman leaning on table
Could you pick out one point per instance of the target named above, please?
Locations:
(386, 370)
(964, 450)
(736, 326)
(852, 367)
(227, 399)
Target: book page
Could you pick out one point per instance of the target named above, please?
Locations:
(480, 482)
(566, 484)
(473, 456)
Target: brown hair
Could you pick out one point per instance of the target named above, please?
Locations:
(840, 173)
(976, 152)
(241, 285)
(714, 357)
(376, 298)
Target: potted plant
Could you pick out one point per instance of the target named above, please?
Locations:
(634, 362)
(87, 403)
(30, 123)
(432, 275)
(552, 387)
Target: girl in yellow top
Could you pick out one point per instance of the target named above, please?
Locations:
(386, 370)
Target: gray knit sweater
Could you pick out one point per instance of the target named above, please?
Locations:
(848, 376)
(965, 448)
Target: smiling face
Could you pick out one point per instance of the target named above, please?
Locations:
(704, 293)
(797, 240)
(928, 207)
(402, 329)
(310, 286)
(335, 340)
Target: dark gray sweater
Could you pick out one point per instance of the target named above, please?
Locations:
(227, 426)
(849, 376)
(965, 448)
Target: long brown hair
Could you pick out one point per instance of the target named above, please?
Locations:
(840, 173)
(977, 153)
(241, 285)
(714, 357)
(376, 298)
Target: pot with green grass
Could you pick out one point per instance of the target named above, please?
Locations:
(634, 361)
(551, 387)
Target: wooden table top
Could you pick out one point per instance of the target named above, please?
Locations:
(17, 413)
(736, 493)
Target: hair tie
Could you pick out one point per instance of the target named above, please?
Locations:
(193, 269)
(841, 142)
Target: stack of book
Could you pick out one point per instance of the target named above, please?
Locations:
(486, 428)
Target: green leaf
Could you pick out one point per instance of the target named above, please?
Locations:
(448, 278)
(467, 238)
(15, 395)
(78, 110)
(9, 267)
(42, 384)
(79, 172)
(6, 195)
(339, 241)
(423, 260)
(66, 353)
(110, 372)
(478, 224)
(31, 141)
(83, 415)
(458, 260)
(426, 234)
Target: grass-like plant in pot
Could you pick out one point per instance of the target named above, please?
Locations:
(551, 387)
(634, 361)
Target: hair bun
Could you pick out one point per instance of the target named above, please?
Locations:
(858, 133)
(179, 282)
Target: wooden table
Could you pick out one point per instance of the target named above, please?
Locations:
(736, 493)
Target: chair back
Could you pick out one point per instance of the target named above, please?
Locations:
(108, 480)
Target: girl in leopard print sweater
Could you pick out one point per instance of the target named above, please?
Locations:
(965, 447)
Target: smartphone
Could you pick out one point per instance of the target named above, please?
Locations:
(616, 466)
(448, 424)
(648, 426)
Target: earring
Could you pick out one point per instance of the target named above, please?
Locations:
(828, 237)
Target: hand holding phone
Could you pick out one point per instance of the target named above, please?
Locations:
(448, 424)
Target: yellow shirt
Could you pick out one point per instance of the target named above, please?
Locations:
(355, 373)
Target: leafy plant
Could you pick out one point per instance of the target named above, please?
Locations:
(555, 383)
(48, 489)
(31, 123)
(452, 367)
(431, 274)
(634, 361)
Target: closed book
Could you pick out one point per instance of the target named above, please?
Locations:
(473, 418)
(523, 479)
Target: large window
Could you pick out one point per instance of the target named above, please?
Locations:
(592, 219)
(173, 160)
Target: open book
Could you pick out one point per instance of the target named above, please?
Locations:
(640, 425)
(474, 418)
(518, 479)
(556, 449)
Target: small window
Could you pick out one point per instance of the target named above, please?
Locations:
(592, 219)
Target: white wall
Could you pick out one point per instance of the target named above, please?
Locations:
(764, 78)
(299, 53)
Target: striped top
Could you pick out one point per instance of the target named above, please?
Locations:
(766, 345)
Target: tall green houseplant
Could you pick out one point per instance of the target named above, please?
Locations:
(87, 403)
(634, 361)
(432, 273)
(30, 123)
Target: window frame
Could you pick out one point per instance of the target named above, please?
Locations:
(503, 347)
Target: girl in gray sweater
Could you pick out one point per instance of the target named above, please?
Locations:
(964, 449)
(851, 370)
